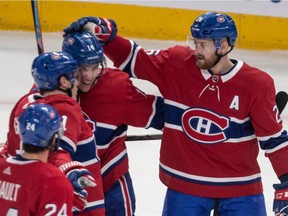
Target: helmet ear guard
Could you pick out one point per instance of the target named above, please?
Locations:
(215, 26)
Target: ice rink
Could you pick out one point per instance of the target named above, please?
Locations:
(17, 51)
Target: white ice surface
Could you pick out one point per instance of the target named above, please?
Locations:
(17, 51)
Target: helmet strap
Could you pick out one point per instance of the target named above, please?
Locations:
(219, 56)
(53, 144)
(103, 66)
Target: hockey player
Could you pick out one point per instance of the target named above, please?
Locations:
(28, 177)
(218, 111)
(108, 96)
(53, 74)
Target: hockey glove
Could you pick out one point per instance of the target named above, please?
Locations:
(280, 205)
(103, 29)
(79, 177)
(76, 26)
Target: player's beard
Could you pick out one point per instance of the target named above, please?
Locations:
(205, 63)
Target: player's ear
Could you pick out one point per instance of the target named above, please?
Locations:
(224, 47)
(64, 82)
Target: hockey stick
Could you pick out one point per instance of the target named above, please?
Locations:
(281, 100)
(144, 137)
(37, 26)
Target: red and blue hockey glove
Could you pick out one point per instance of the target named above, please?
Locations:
(280, 204)
(79, 177)
(103, 29)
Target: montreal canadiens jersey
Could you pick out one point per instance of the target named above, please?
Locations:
(32, 187)
(77, 138)
(214, 124)
(115, 103)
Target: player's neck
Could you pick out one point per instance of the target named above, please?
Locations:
(41, 156)
(54, 92)
(223, 66)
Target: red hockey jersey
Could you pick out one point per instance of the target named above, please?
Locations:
(213, 123)
(115, 103)
(32, 187)
(77, 138)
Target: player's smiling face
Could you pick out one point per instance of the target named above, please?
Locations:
(204, 53)
(87, 76)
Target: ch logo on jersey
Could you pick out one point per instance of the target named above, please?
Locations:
(91, 124)
(204, 126)
(89, 121)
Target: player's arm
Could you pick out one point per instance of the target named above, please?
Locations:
(105, 30)
(87, 151)
(274, 140)
(71, 121)
(75, 171)
(80, 178)
(140, 109)
(270, 132)
(12, 144)
(122, 52)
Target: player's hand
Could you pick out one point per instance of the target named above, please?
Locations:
(280, 205)
(79, 177)
(76, 26)
(103, 29)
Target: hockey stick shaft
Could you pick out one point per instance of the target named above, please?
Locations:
(144, 137)
(37, 26)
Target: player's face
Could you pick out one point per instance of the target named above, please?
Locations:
(87, 76)
(204, 53)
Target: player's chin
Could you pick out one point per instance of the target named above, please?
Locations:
(200, 64)
(84, 87)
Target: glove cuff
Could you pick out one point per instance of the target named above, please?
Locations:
(283, 178)
(70, 165)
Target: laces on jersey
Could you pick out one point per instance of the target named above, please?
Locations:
(212, 86)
